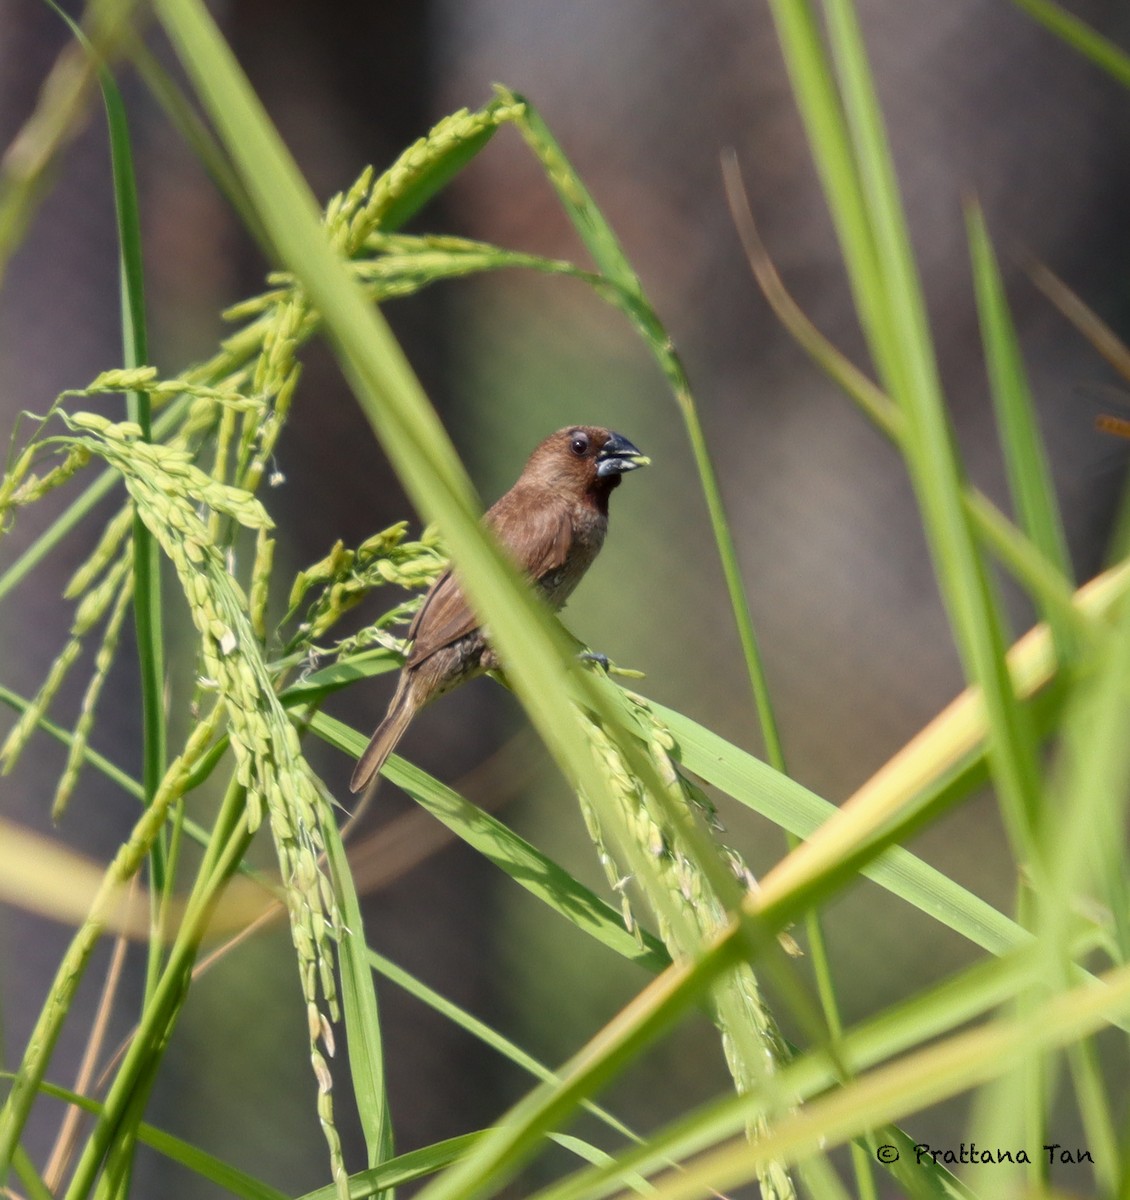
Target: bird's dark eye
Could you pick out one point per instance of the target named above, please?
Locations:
(579, 444)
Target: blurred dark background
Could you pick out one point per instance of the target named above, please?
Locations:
(643, 98)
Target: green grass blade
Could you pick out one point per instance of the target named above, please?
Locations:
(99, 762)
(802, 812)
(895, 321)
(536, 652)
(1025, 459)
(135, 342)
(521, 1130)
(146, 553)
(29, 1176)
(407, 1168)
(359, 1009)
(1080, 36)
(817, 97)
(197, 136)
(207, 1166)
(603, 245)
(527, 866)
(915, 1082)
(135, 353)
(484, 1033)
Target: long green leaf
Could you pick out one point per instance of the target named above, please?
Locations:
(29, 1176)
(135, 353)
(407, 1168)
(1080, 36)
(359, 1009)
(521, 1130)
(522, 862)
(939, 1011)
(973, 608)
(802, 812)
(894, 1090)
(1026, 461)
(603, 245)
(534, 648)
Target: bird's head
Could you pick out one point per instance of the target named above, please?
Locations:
(583, 459)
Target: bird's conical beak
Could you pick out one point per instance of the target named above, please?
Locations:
(617, 456)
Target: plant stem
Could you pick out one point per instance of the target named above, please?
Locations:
(230, 840)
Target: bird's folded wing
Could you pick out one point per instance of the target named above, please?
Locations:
(537, 538)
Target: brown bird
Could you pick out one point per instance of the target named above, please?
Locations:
(552, 522)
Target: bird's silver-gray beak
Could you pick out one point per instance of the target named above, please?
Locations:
(617, 456)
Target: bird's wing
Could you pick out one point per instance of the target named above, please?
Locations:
(537, 538)
(443, 618)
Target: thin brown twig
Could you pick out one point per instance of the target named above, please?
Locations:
(878, 405)
(1084, 318)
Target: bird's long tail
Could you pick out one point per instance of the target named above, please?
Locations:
(388, 733)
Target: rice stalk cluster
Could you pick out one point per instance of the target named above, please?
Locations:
(107, 587)
(168, 491)
(218, 426)
(20, 486)
(657, 836)
(345, 577)
(233, 408)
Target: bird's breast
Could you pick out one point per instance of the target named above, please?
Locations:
(558, 584)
